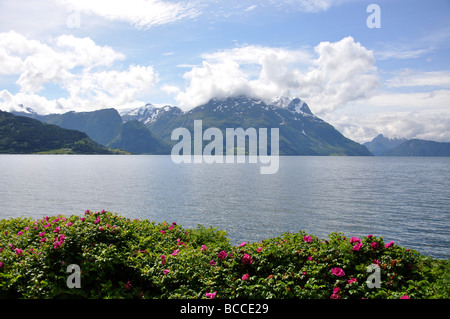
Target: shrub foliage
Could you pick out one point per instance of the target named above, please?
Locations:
(120, 257)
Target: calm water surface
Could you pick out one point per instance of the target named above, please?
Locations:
(399, 198)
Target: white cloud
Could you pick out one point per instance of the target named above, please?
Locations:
(422, 125)
(343, 71)
(78, 67)
(423, 115)
(413, 78)
(140, 13)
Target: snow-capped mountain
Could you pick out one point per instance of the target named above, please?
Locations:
(301, 133)
(147, 114)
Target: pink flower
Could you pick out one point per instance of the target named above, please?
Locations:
(246, 259)
(212, 263)
(335, 296)
(211, 295)
(222, 254)
(163, 259)
(203, 248)
(162, 231)
(339, 272)
(245, 277)
(357, 246)
(82, 219)
(376, 262)
(43, 239)
(47, 225)
(309, 258)
(19, 233)
(242, 244)
(69, 224)
(175, 252)
(374, 245)
(57, 229)
(18, 251)
(404, 297)
(166, 271)
(259, 249)
(100, 228)
(128, 285)
(351, 280)
(336, 290)
(97, 220)
(307, 239)
(1, 264)
(369, 236)
(389, 244)
(355, 240)
(171, 227)
(42, 234)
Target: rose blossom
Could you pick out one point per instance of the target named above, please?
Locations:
(246, 259)
(339, 272)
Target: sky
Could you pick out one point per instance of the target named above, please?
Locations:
(366, 67)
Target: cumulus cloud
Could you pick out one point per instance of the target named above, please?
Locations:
(78, 67)
(337, 73)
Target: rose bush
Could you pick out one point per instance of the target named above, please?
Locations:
(128, 258)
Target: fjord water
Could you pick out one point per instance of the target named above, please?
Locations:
(404, 199)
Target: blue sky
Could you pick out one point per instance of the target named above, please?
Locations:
(62, 55)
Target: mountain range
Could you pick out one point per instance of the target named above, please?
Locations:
(148, 129)
(385, 146)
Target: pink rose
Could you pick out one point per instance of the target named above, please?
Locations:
(307, 239)
(389, 244)
(212, 263)
(357, 246)
(211, 295)
(166, 271)
(246, 259)
(222, 254)
(259, 249)
(374, 245)
(355, 240)
(339, 272)
(245, 277)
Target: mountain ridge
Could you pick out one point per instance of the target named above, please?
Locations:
(24, 135)
(301, 132)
